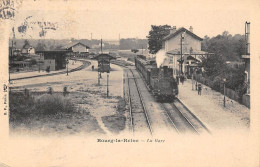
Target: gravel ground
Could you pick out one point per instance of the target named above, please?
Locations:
(87, 95)
(209, 108)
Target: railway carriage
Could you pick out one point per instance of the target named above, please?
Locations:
(159, 80)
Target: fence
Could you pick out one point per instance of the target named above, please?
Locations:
(232, 94)
(245, 99)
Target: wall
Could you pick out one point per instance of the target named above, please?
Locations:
(188, 42)
(24, 51)
(31, 50)
(246, 100)
(174, 44)
(79, 48)
(229, 92)
(49, 62)
(247, 64)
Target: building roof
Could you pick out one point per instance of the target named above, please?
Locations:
(194, 52)
(182, 29)
(26, 46)
(105, 55)
(71, 44)
(53, 51)
(63, 53)
(190, 57)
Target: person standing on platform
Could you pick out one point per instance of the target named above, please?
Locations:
(177, 78)
(199, 89)
(182, 79)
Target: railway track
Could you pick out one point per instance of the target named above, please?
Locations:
(138, 111)
(180, 117)
(196, 124)
(183, 119)
(181, 123)
(84, 65)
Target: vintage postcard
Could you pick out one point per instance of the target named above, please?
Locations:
(129, 83)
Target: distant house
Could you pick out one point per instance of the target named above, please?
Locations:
(77, 47)
(28, 49)
(183, 47)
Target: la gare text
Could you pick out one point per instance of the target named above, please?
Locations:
(130, 140)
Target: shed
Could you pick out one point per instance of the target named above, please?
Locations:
(104, 61)
(77, 47)
(59, 56)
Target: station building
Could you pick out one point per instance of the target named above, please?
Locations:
(182, 46)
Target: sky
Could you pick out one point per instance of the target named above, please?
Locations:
(132, 19)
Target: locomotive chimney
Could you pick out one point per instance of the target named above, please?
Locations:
(165, 70)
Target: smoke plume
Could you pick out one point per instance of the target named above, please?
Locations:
(161, 58)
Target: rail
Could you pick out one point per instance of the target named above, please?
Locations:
(143, 105)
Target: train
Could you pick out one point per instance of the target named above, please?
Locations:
(160, 81)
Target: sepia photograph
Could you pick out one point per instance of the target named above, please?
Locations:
(97, 73)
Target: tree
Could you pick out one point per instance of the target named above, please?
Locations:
(40, 46)
(129, 43)
(155, 37)
(26, 42)
(205, 43)
(33, 61)
(230, 47)
(213, 66)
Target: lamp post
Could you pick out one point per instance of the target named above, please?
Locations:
(9, 63)
(9, 72)
(39, 63)
(181, 52)
(107, 84)
(196, 85)
(224, 100)
(67, 62)
(39, 66)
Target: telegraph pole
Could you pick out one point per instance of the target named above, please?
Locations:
(247, 33)
(10, 58)
(181, 54)
(67, 67)
(107, 84)
(224, 100)
(101, 46)
(98, 78)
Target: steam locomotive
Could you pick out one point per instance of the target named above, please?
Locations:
(160, 81)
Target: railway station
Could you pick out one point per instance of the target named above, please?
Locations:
(132, 92)
(129, 83)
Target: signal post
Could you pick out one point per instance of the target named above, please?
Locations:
(104, 66)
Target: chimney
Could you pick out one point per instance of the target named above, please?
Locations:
(247, 35)
(191, 29)
(173, 30)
